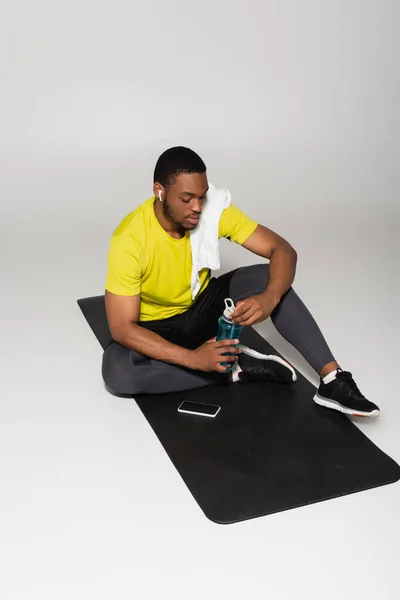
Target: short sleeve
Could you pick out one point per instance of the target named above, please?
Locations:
(235, 225)
(124, 269)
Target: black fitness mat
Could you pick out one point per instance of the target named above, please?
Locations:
(270, 448)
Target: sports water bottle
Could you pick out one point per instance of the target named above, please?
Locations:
(227, 329)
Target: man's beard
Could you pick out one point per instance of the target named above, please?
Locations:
(170, 217)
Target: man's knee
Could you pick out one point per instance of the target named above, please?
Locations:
(117, 371)
(249, 281)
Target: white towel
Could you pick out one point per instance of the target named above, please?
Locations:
(204, 238)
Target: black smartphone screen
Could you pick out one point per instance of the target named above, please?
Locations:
(208, 410)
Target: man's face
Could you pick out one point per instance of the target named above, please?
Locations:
(183, 201)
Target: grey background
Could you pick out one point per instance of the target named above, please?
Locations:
(294, 108)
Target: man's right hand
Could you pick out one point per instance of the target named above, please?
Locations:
(208, 356)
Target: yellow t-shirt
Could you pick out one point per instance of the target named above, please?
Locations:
(144, 259)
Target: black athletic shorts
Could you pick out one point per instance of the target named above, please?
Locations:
(199, 323)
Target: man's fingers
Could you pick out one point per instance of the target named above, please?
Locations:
(249, 318)
(228, 360)
(222, 368)
(229, 357)
(214, 339)
(250, 321)
(227, 342)
(260, 319)
(244, 314)
(240, 310)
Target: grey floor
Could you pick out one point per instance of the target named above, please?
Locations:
(90, 505)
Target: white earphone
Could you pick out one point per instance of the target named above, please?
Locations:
(159, 195)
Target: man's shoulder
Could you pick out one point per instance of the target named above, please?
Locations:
(133, 225)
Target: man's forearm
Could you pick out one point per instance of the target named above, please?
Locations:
(282, 269)
(151, 344)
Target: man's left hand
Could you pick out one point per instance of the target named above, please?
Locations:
(254, 309)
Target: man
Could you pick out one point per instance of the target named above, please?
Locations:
(163, 339)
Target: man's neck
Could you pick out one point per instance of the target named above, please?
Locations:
(172, 229)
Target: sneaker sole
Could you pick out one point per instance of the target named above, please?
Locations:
(347, 411)
(278, 359)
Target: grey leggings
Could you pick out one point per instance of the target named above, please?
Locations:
(127, 372)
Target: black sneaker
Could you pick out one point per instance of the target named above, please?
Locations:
(263, 367)
(342, 394)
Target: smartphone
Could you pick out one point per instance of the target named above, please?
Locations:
(196, 408)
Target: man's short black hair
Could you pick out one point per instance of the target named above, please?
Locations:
(174, 161)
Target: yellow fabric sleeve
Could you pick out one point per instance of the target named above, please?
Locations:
(235, 225)
(124, 274)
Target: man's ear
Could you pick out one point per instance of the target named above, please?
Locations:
(157, 188)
